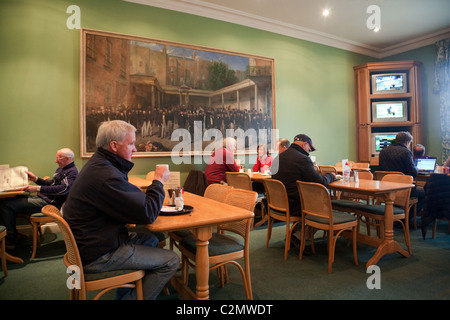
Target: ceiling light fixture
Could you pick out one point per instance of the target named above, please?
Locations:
(325, 12)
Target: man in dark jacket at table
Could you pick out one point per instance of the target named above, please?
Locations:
(295, 164)
(398, 157)
(49, 191)
(102, 202)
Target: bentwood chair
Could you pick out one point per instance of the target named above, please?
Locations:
(104, 281)
(374, 214)
(3, 249)
(317, 213)
(325, 169)
(241, 180)
(214, 191)
(230, 243)
(378, 175)
(278, 209)
(348, 202)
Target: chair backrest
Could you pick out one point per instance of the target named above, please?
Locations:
(315, 200)
(239, 180)
(365, 175)
(244, 199)
(402, 196)
(217, 191)
(325, 169)
(72, 256)
(378, 175)
(277, 198)
(150, 175)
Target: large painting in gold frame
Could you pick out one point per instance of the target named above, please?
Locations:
(164, 88)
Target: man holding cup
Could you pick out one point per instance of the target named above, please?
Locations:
(102, 202)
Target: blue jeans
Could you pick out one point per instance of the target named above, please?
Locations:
(140, 251)
(19, 204)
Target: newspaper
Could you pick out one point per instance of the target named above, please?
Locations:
(12, 179)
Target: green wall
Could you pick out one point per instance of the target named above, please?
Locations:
(39, 81)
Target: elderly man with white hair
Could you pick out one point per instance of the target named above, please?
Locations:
(50, 191)
(221, 161)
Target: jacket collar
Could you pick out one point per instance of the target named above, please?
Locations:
(119, 162)
(299, 149)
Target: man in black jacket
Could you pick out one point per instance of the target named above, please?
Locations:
(398, 157)
(102, 202)
(294, 164)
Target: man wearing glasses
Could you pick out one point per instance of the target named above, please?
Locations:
(50, 191)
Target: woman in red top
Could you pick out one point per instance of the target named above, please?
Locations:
(263, 161)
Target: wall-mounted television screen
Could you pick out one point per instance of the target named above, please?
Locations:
(389, 111)
(389, 83)
(381, 140)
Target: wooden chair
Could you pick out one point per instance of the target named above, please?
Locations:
(317, 213)
(278, 209)
(104, 281)
(348, 201)
(3, 249)
(150, 175)
(214, 191)
(378, 175)
(241, 180)
(37, 220)
(226, 248)
(325, 169)
(374, 214)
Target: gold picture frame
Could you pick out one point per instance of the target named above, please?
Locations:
(164, 88)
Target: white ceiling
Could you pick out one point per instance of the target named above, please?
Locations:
(405, 24)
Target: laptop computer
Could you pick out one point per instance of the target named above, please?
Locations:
(426, 165)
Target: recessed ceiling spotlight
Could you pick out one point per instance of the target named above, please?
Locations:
(325, 12)
(376, 29)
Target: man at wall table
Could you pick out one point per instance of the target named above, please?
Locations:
(51, 191)
(397, 157)
(102, 202)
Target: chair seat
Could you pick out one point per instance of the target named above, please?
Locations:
(379, 209)
(219, 244)
(280, 213)
(2, 228)
(347, 203)
(338, 218)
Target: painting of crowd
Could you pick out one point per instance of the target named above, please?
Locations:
(155, 124)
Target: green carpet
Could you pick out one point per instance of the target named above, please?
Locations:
(422, 276)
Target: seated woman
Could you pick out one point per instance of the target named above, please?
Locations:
(263, 161)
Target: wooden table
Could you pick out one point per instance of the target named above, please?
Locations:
(386, 190)
(201, 221)
(8, 195)
(259, 177)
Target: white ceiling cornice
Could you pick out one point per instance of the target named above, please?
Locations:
(208, 10)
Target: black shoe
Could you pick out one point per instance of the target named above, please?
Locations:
(10, 244)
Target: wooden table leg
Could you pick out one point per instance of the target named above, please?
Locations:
(388, 245)
(202, 262)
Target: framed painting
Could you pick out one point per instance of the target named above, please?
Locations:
(181, 98)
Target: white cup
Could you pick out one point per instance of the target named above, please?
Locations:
(165, 165)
